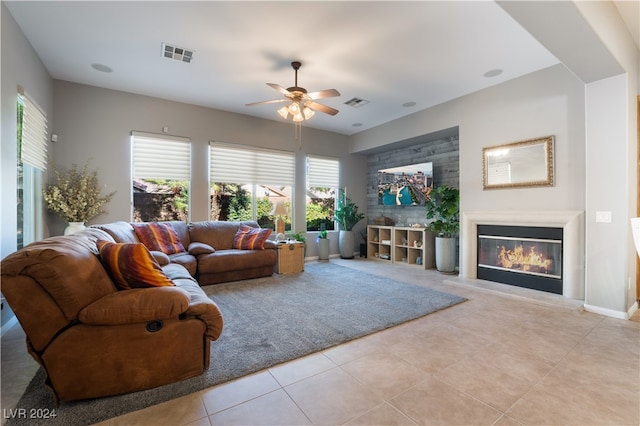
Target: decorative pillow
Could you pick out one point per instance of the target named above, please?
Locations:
(248, 238)
(159, 236)
(131, 265)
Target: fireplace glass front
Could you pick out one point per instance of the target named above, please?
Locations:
(523, 256)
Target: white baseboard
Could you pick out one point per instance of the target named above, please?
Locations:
(607, 312)
(632, 310)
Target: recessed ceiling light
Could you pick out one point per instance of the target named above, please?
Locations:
(409, 104)
(493, 73)
(101, 68)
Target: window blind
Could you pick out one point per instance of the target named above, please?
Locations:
(161, 157)
(34, 135)
(323, 172)
(249, 165)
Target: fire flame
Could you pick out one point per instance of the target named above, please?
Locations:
(517, 259)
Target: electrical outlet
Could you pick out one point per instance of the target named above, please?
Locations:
(603, 217)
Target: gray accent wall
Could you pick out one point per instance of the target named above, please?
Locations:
(443, 153)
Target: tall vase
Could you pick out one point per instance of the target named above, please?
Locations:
(74, 227)
(446, 255)
(323, 249)
(346, 241)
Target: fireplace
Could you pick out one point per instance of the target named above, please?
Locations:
(524, 256)
(569, 264)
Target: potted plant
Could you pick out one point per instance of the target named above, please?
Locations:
(75, 196)
(444, 209)
(323, 245)
(347, 216)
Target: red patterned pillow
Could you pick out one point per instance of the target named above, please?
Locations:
(159, 236)
(248, 238)
(131, 265)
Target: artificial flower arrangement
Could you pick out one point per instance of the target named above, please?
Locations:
(76, 195)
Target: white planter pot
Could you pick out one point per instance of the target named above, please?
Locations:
(74, 227)
(446, 255)
(346, 243)
(323, 249)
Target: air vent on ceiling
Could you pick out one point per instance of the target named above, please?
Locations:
(178, 53)
(356, 102)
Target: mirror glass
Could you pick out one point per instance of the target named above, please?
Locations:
(519, 164)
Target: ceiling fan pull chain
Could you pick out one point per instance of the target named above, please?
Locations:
(298, 134)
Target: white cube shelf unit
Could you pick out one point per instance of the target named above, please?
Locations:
(400, 244)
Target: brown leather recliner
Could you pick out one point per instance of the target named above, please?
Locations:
(93, 340)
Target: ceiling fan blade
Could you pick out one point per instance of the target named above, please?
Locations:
(329, 93)
(279, 88)
(322, 108)
(275, 101)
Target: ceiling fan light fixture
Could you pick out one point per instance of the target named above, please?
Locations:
(303, 104)
(308, 112)
(284, 112)
(294, 108)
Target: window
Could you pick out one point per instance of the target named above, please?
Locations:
(161, 170)
(249, 183)
(322, 188)
(32, 161)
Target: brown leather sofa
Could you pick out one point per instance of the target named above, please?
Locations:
(93, 340)
(210, 256)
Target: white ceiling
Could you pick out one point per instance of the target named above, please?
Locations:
(388, 53)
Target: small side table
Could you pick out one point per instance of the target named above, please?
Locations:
(290, 257)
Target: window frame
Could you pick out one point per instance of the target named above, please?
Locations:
(160, 164)
(31, 163)
(261, 167)
(317, 177)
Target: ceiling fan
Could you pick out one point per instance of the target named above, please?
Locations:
(303, 104)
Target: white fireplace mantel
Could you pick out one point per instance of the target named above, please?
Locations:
(571, 222)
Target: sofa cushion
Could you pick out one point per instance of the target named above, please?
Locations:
(159, 236)
(217, 234)
(131, 265)
(121, 232)
(233, 260)
(248, 238)
(186, 260)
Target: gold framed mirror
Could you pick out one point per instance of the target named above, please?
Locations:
(521, 164)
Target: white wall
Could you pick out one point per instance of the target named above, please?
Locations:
(612, 127)
(596, 45)
(548, 102)
(606, 155)
(96, 123)
(20, 66)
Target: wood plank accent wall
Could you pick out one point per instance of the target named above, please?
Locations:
(445, 155)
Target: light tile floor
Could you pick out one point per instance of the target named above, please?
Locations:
(507, 356)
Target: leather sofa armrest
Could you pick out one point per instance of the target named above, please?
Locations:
(136, 305)
(196, 248)
(206, 310)
(270, 245)
(160, 257)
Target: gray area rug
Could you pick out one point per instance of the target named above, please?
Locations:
(267, 321)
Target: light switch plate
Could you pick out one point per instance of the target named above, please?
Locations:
(603, 217)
